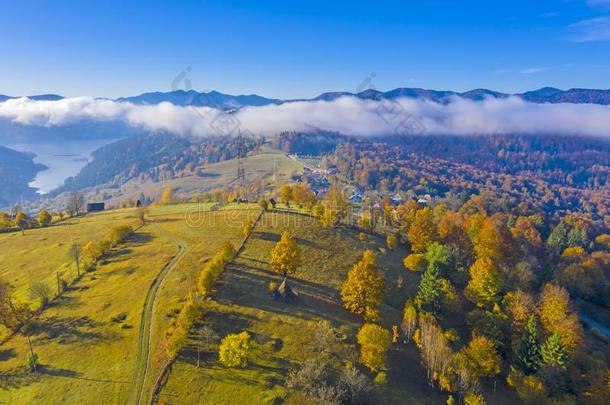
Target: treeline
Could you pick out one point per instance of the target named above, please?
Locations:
(176, 335)
(557, 175)
(496, 293)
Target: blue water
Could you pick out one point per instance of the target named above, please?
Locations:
(594, 324)
(62, 159)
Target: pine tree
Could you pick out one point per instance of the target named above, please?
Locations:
(528, 353)
(553, 352)
(429, 295)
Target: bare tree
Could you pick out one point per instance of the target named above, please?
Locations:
(435, 351)
(354, 384)
(16, 318)
(42, 292)
(75, 202)
(207, 337)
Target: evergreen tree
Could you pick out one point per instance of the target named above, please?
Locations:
(553, 352)
(528, 353)
(429, 295)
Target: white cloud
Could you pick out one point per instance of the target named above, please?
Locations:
(347, 115)
(533, 70)
(594, 29)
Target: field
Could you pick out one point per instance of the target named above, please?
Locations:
(215, 175)
(101, 338)
(40, 253)
(280, 330)
(86, 339)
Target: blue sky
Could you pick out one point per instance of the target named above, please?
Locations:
(290, 49)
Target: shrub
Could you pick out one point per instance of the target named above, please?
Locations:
(42, 292)
(235, 349)
(118, 233)
(381, 378)
(415, 262)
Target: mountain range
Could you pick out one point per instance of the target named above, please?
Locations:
(219, 100)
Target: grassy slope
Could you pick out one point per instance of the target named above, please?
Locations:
(214, 175)
(41, 252)
(203, 232)
(242, 303)
(85, 355)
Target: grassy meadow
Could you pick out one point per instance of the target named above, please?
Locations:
(85, 340)
(282, 331)
(39, 253)
(89, 340)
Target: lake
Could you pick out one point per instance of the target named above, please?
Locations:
(63, 160)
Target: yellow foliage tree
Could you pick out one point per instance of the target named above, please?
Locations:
(362, 291)
(556, 316)
(167, 196)
(480, 357)
(485, 282)
(374, 342)
(422, 231)
(286, 255)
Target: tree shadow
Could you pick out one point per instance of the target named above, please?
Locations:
(139, 238)
(248, 287)
(66, 330)
(7, 354)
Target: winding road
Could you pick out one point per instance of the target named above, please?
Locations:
(138, 392)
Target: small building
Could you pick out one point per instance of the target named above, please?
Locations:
(356, 198)
(96, 207)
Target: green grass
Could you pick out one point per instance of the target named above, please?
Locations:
(281, 331)
(203, 232)
(41, 252)
(86, 356)
(215, 175)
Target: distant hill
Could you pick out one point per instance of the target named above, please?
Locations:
(17, 169)
(220, 100)
(213, 99)
(46, 97)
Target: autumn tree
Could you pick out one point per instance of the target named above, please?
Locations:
(415, 262)
(285, 194)
(44, 218)
(409, 321)
(485, 282)
(480, 357)
(527, 355)
(21, 221)
(286, 255)
(15, 317)
(422, 231)
(520, 306)
(374, 342)
(247, 229)
(235, 350)
(363, 289)
(167, 197)
(494, 241)
(556, 316)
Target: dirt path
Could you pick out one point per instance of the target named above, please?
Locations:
(138, 394)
